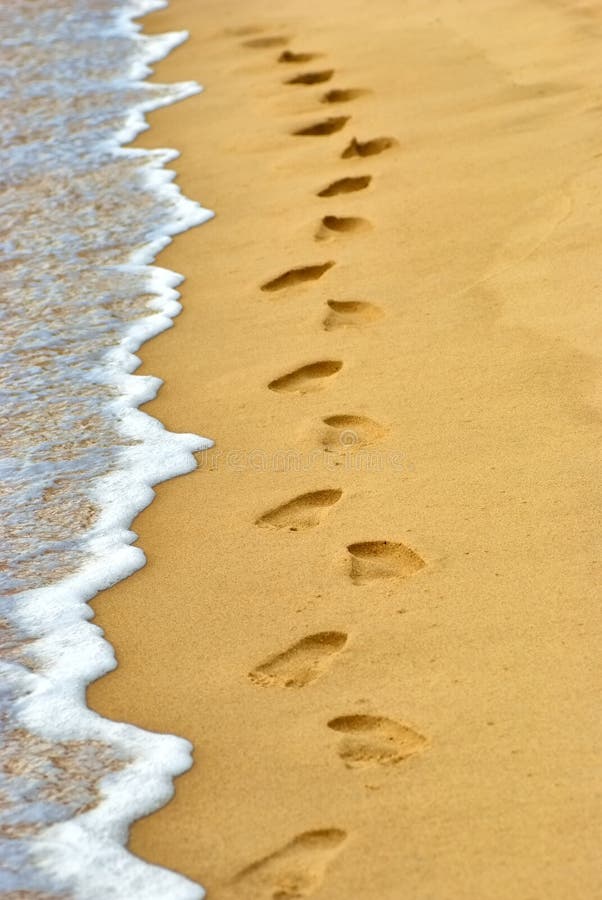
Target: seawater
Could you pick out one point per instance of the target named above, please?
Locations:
(83, 218)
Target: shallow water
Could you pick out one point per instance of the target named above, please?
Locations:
(82, 220)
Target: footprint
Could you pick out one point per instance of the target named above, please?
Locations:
(354, 313)
(372, 560)
(342, 96)
(297, 276)
(303, 512)
(375, 740)
(307, 378)
(346, 186)
(302, 663)
(244, 30)
(287, 56)
(275, 41)
(368, 148)
(295, 871)
(312, 77)
(320, 129)
(340, 225)
(344, 433)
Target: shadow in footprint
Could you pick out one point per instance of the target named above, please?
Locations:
(336, 95)
(312, 77)
(297, 276)
(303, 512)
(307, 378)
(344, 433)
(373, 560)
(275, 41)
(295, 871)
(332, 225)
(346, 186)
(368, 148)
(375, 741)
(288, 56)
(302, 663)
(323, 128)
(350, 313)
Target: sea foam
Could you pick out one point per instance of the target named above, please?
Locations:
(85, 218)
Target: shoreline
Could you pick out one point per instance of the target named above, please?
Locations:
(79, 459)
(386, 670)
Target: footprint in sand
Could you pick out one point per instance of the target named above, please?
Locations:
(288, 56)
(261, 42)
(367, 148)
(294, 871)
(323, 128)
(302, 663)
(346, 186)
(337, 95)
(297, 276)
(344, 433)
(375, 741)
(312, 77)
(303, 512)
(350, 313)
(333, 225)
(373, 560)
(244, 30)
(307, 378)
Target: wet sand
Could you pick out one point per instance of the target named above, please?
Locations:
(372, 609)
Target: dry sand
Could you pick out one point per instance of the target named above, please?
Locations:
(380, 631)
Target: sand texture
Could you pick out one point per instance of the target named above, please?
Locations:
(373, 608)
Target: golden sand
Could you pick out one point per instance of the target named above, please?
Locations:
(372, 608)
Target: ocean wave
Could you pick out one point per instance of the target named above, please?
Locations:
(84, 218)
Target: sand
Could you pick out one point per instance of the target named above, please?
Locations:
(372, 608)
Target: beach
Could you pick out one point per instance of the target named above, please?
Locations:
(372, 607)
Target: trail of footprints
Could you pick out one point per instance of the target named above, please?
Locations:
(298, 868)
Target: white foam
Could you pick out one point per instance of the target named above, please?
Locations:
(87, 853)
